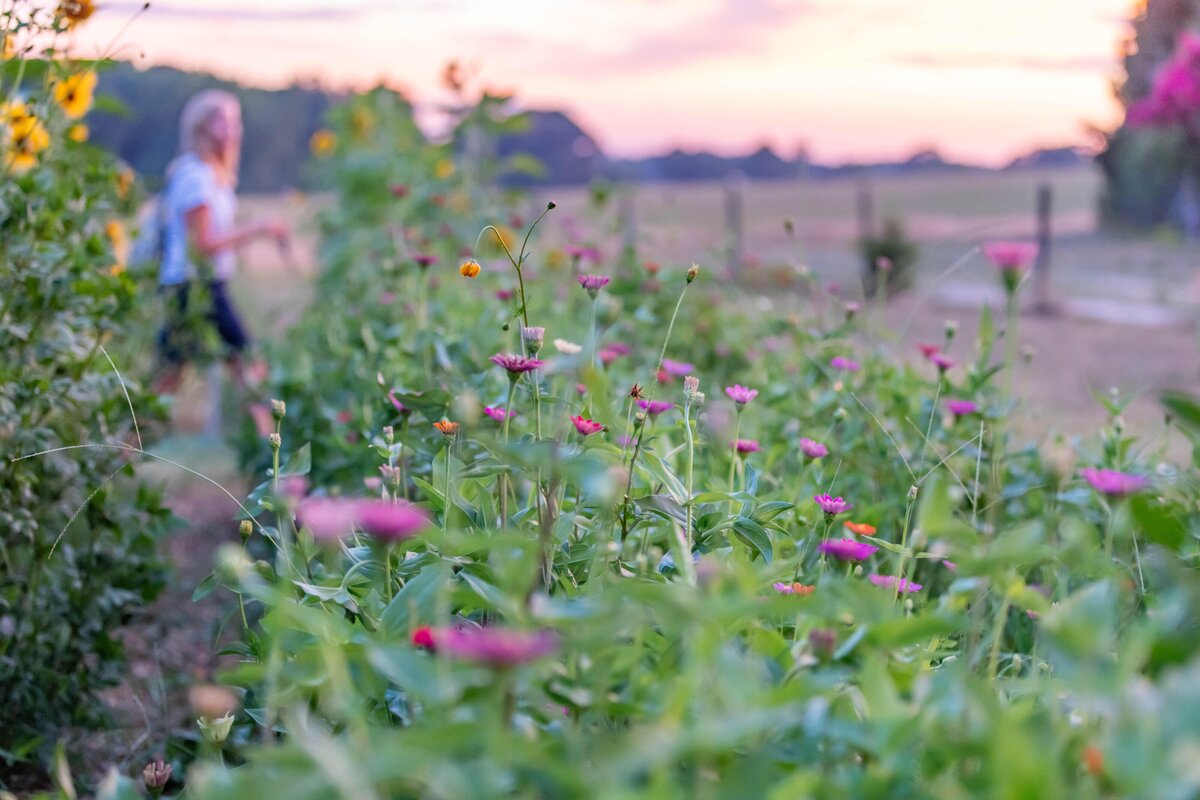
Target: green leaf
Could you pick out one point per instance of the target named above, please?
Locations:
(299, 463)
(1184, 407)
(1157, 522)
(416, 603)
(754, 535)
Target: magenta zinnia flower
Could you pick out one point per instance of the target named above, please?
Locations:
(517, 364)
(961, 408)
(813, 449)
(1011, 256)
(390, 521)
(497, 414)
(403, 409)
(496, 647)
(832, 506)
(655, 407)
(1112, 483)
(331, 518)
(679, 369)
(740, 394)
(593, 283)
(889, 581)
(746, 446)
(424, 259)
(585, 426)
(844, 364)
(942, 361)
(847, 549)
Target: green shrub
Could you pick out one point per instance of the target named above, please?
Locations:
(77, 554)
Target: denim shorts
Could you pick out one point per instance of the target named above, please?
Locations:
(174, 341)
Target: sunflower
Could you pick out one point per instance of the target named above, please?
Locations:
(74, 12)
(443, 169)
(13, 113)
(78, 132)
(28, 138)
(74, 93)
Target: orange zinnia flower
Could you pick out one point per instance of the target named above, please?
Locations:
(861, 528)
(1093, 759)
(447, 427)
(469, 269)
(794, 588)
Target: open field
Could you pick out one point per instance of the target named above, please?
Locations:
(949, 215)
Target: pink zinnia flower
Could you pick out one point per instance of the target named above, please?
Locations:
(331, 518)
(496, 647)
(390, 521)
(942, 361)
(582, 253)
(832, 506)
(516, 364)
(740, 394)
(586, 427)
(679, 369)
(812, 449)
(497, 414)
(844, 364)
(504, 295)
(928, 350)
(746, 446)
(961, 408)
(655, 407)
(1011, 256)
(593, 283)
(424, 259)
(1113, 483)
(611, 352)
(847, 549)
(889, 581)
(327, 518)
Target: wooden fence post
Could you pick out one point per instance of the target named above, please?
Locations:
(1042, 302)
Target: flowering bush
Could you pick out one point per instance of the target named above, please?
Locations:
(603, 589)
(78, 549)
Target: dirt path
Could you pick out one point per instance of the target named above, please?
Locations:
(169, 644)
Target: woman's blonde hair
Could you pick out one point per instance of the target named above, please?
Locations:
(194, 131)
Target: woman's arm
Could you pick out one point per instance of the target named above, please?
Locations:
(199, 225)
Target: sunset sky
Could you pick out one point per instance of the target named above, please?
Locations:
(850, 79)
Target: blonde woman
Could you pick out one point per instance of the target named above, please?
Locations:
(199, 237)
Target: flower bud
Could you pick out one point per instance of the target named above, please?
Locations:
(533, 338)
(278, 409)
(155, 776)
(551, 205)
(912, 494)
(245, 529)
(692, 272)
(951, 328)
(216, 730)
(275, 440)
(883, 264)
(389, 434)
(823, 641)
(469, 268)
(691, 387)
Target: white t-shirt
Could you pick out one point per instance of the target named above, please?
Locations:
(191, 184)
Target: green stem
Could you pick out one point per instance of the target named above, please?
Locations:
(903, 549)
(737, 429)
(997, 636)
(502, 479)
(446, 488)
(592, 348)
